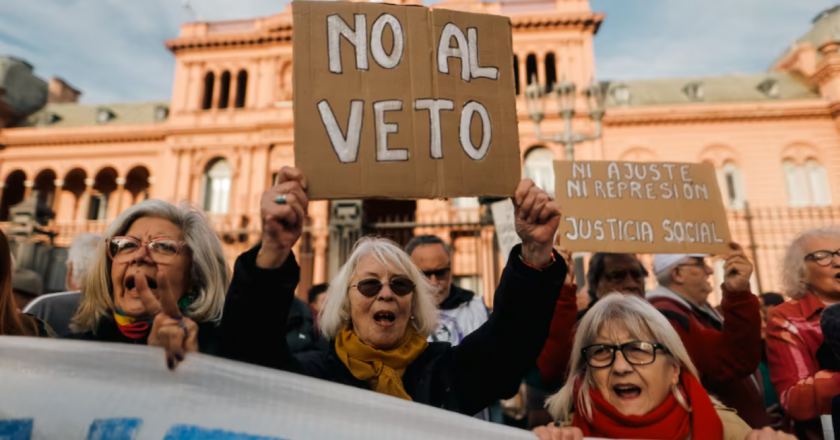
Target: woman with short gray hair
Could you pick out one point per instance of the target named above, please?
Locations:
(631, 377)
(811, 278)
(155, 256)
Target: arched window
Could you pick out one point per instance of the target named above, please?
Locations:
(224, 90)
(797, 186)
(818, 183)
(539, 167)
(550, 72)
(530, 69)
(241, 88)
(209, 82)
(516, 73)
(733, 186)
(217, 187)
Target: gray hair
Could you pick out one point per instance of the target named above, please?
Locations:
(664, 277)
(422, 240)
(642, 321)
(209, 271)
(794, 269)
(80, 257)
(336, 311)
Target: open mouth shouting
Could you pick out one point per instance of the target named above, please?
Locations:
(131, 284)
(384, 318)
(627, 391)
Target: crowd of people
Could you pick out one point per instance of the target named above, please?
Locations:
(612, 360)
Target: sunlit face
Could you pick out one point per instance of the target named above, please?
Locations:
(824, 281)
(634, 390)
(126, 297)
(433, 260)
(622, 273)
(379, 321)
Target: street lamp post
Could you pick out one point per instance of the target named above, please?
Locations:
(566, 95)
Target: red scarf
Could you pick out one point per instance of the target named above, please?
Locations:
(130, 327)
(669, 421)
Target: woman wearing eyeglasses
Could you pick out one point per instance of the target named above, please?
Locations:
(811, 279)
(160, 266)
(380, 309)
(631, 378)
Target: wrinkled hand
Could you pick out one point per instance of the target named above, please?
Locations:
(567, 257)
(551, 432)
(537, 218)
(282, 224)
(737, 269)
(768, 434)
(175, 333)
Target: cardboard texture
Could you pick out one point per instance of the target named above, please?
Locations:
(364, 120)
(636, 207)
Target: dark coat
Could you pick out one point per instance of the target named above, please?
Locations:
(107, 331)
(300, 328)
(487, 366)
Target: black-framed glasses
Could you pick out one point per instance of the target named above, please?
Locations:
(823, 258)
(439, 274)
(621, 274)
(371, 286)
(635, 352)
(162, 249)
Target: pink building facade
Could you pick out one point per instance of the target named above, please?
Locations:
(228, 128)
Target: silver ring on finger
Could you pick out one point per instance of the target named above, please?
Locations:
(280, 200)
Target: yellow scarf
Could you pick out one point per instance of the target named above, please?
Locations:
(382, 369)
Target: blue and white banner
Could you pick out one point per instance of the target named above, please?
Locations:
(71, 390)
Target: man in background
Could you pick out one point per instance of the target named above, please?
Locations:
(57, 309)
(461, 311)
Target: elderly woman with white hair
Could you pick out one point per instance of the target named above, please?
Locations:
(380, 310)
(156, 257)
(811, 279)
(631, 378)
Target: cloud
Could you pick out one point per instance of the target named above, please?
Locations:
(113, 50)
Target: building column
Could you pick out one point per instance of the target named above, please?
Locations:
(28, 191)
(234, 83)
(59, 186)
(84, 206)
(150, 181)
(120, 190)
(523, 72)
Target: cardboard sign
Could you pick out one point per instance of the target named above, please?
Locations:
(633, 207)
(403, 102)
(505, 224)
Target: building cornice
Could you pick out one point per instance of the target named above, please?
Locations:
(717, 112)
(30, 137)
(278, 35)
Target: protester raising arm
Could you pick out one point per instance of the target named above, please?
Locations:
(265, 278)
(380, 309)
(734, 352)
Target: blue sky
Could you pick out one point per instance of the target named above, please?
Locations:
(113, 49)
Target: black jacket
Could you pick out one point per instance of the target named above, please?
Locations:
(300, 328)
(107, 331)
(488, 365)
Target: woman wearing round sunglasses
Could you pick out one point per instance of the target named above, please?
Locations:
(380, 309)
(161, 266)
(631, 378)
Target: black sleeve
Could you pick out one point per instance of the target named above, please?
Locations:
(491, 362)
(257, 306)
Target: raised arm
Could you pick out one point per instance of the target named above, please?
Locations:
(265, 278)
(554, 359)
(490, 363)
